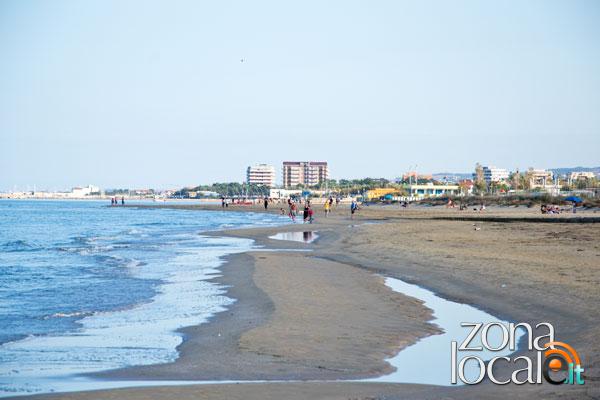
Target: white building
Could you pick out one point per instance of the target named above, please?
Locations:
(540, 179)
(494, 174)
(84, 191)
(307, 173)
(577, 175)
(261, 174)
(431, 190)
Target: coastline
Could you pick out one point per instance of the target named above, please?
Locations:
(239, 343)
(334, 246)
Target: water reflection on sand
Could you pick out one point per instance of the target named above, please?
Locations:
(304, 237)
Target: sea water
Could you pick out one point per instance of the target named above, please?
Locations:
(86, 287)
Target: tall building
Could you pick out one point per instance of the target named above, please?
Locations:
(261, 174)
(493, 174)
(307, 173)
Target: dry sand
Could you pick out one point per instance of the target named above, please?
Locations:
(324, 315)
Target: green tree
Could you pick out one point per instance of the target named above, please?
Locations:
(479, 184)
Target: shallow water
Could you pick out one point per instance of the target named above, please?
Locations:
(425, 362)
(87, 287)
(304, 237)
(428, 360)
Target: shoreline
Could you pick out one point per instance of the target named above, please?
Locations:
(218, 339)
(328, 249)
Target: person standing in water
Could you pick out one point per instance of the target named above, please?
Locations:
(122, 200)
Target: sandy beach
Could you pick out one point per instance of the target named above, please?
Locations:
(325, 314)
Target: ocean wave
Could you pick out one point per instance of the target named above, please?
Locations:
(155, 223)
(20, 245)
(114, 260)
(92, 249)
(69, 314)
(81, 239)
(68, 249)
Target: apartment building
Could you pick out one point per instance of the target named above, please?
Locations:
(261, 174)
(494, 174)
(307, 173)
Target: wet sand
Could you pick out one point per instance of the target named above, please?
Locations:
(324, 315)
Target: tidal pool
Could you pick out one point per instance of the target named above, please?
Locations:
(428, 361)
(304, 237)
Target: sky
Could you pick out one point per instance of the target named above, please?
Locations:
(155, 93)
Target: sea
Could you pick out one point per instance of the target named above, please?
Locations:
(86, 287)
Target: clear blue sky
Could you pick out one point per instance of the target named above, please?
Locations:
(153, 94)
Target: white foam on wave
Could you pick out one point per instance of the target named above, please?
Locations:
(142, 335)
(423, 362)
(69, 314)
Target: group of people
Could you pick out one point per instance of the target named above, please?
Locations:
(329, 205)
(308, 214)
(550, 209)
(297, 205)
(114, 201)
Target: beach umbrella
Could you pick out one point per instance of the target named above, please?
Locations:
(574, 199)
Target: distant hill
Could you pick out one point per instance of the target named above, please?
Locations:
(568, 170)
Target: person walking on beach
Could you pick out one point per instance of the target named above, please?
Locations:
(327, 207)
(292, 213)
(266, 202)
(310, 215)
(222, 202)
(305, 215)
(353, 208)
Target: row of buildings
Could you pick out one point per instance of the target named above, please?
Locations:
(78, 192)
(534, 178)
(294, 173)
